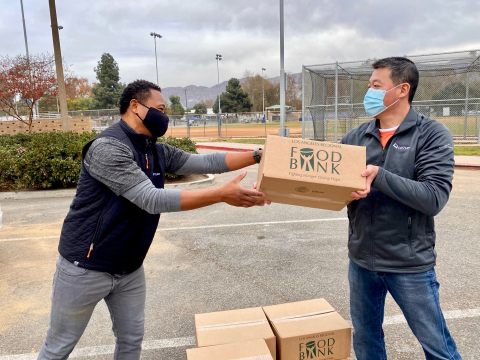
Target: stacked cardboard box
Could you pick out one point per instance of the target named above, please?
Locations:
(309, 330)
(303, 330)
(227, 327)
(249, 350)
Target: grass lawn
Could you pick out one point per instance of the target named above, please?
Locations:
(467, 150)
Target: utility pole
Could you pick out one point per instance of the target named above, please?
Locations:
(59, 66)
(282, 131)
(218, 58)
(263, 98)
(155, 36)
(186, 115)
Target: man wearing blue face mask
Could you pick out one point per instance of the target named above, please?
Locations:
(114, 216)
(391, 224)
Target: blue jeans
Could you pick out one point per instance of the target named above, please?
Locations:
(76, 292)
(417, 297)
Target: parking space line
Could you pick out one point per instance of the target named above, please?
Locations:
(31, 238)
(205, 227)
(190, 340)
(251, 224)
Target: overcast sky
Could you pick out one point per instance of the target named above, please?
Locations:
(245, 32)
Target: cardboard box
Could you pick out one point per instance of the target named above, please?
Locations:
(233, 326)
(309, 330)
(311, 173)
(254, 350)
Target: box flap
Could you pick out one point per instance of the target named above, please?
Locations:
(304, 317)
(231, 326)
(251, 350)
(298, 309)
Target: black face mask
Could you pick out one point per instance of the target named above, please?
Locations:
(155, 121)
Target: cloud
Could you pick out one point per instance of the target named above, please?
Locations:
(245, 32)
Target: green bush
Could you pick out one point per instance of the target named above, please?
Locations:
(51, 160)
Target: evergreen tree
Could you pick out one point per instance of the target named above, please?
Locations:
(175, 107)
(200, 108)
(109, 89)
(234, 100)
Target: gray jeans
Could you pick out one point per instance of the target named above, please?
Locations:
(76, 292)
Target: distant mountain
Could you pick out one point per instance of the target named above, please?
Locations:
(195, 93)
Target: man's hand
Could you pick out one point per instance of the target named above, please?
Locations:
(268, 202)
(370, 173)
(236, 195)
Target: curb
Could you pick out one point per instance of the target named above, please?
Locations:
(222, 148)
(467, 166)
(46, 194)
(193, 184)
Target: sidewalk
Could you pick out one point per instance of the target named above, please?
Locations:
(461, 162)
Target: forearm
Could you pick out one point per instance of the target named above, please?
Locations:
(191, 200)
(426, 197)
(204, 164)
(153, 200)
(237, 161)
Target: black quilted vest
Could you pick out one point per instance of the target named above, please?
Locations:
(106, 232)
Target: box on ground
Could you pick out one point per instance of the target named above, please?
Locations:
(254, 350)
(234, 326)
(311, 173)
(309, 330)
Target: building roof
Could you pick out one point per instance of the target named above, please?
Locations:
(275, 107)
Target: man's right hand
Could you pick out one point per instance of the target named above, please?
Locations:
(236, 195)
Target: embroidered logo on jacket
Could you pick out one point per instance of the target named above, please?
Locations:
(398, 147)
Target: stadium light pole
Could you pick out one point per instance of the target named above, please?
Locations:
(282, 75)
(59, 66)
(218, 58)
(186, 114)
(263, 101)
(155, 36)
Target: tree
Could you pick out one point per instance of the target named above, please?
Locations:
(207, 102)
(77, 88)
(234, 100)
(175, 107)
(254, 85)
(109, 89)
(293, 93)
(200, 108)
(26, 80)
(455, 90)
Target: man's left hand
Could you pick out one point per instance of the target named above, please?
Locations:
(370, 173)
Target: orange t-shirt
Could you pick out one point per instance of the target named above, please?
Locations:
(386, 134)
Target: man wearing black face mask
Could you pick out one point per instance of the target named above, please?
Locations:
(114, 216)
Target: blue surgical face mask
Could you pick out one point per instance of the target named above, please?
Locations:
(373, 101)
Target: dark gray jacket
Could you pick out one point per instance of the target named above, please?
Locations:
(392, 229)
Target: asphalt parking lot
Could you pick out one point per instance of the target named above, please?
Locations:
(222, 258)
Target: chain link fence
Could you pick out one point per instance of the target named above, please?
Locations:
(448, 91)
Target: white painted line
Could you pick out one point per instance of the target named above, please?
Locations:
(251, 224)
(109, 349)
(452, 314)
(206, 227)
(31, 238)
(190, 340)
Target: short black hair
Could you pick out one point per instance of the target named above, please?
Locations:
(403, 70)
(139, 90)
